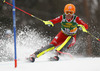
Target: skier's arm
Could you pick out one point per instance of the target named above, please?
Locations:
(79, 21)
(56, 20)
(53, 21)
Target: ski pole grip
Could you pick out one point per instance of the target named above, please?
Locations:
(3, 1)
(49, 25)
(78, 26)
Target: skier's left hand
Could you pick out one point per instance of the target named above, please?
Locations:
(79, 28)
(49, 23)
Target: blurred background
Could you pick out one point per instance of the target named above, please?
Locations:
(87, 10)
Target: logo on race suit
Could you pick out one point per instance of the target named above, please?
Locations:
(70, 7)
(58, 17)
(69, 25)
(73, 40)
(56, 37)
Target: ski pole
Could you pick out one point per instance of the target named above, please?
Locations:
(84, 30)
(25, 12)
(66, 54)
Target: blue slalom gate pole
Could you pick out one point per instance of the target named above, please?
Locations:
(14, 29)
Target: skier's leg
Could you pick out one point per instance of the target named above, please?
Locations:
(44, 50)
(73, 42)
(65, 44)
(56, 41)
(60, 37)
(62, 47)
(40, 52)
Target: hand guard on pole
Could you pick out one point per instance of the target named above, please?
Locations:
(3, 1)
(84, 30)
(49, 23)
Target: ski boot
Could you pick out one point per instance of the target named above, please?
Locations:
(32, 58)
(55, 58)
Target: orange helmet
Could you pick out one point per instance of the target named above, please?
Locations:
(69, 7)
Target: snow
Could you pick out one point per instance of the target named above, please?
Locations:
(76, 64)
(29, 42)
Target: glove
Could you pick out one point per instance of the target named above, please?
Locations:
(49, 23)
(80, 28)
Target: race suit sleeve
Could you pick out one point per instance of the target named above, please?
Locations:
(79, 21)
(56, 20)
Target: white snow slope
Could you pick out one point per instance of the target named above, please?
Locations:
(29, 42)
(76, 64)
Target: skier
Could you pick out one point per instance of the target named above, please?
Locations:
(69, 22)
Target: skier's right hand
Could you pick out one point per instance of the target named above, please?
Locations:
(49, 23)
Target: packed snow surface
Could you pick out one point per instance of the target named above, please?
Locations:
(76, 64)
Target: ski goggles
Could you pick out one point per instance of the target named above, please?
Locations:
(69, 12)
